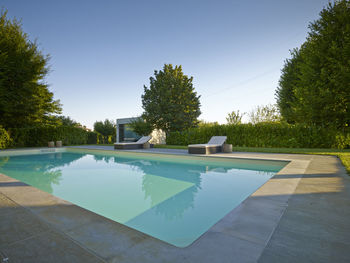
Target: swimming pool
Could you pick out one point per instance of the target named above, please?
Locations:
(173, 198)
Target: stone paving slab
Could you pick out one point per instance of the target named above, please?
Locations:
(316, 225)
(7, 206)
(19, 226)
(26, 238)
(100, 236)
(301, 214)
(242, 222)
(49, 246)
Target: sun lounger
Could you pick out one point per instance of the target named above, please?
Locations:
(133, 145)
(213, 146)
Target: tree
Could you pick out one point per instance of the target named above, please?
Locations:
(170, 103)
(288, 83)
(24, 96)
(314, 87)
(267, 113)
(235, 117)
(141, 127)
(67, 121)
(106, 129)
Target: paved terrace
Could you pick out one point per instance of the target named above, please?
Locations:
(300, 215)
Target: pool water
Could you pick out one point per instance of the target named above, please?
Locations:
(173, 198)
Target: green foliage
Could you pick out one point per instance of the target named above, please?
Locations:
(203, 123)
(264, 113)
(4, 138)
(314, 86)
(141, 127)
(24, 96)
(67, 121)
(91, 137)
(40, 136)
(100, 138)
(170, 103)
(264, 135)
(342, 141)
(106, 130)
(235, 117)
(287, 84)
(345, 158)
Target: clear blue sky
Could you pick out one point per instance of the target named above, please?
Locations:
(103, 52)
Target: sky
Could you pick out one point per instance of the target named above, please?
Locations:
(104, 52)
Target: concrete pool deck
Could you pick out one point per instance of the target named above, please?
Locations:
(300, 215)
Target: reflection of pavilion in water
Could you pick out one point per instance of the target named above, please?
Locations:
(43, 167)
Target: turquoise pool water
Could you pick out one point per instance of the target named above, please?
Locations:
(173, 198)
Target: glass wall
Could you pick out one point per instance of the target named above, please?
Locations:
(126, 134)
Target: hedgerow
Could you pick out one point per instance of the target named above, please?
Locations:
(40, 136)
(265, 135)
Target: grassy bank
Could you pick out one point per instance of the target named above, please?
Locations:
(344, 155)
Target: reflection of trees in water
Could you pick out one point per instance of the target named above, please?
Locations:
(46, 179)
(43, 169)
(104, 158)
(4, 160)
(175, 206)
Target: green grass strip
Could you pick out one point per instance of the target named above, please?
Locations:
(343, 155)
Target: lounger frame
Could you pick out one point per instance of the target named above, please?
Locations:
(128, 146)
(204, 150)
(214, 145)
(133, 145)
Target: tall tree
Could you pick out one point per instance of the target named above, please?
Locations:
(67, 121)
(25, 99)
(314, 87)
(170, 102)
(288, 83)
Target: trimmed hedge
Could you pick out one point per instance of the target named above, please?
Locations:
(92, 138)
(40, 136)
(265, 135)
(4, 138)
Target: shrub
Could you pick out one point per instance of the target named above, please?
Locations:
(265, 135)
(92, 138)
(100, 138)
(39, 136)
(4, 138)
(111, 139)
(342, 141)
